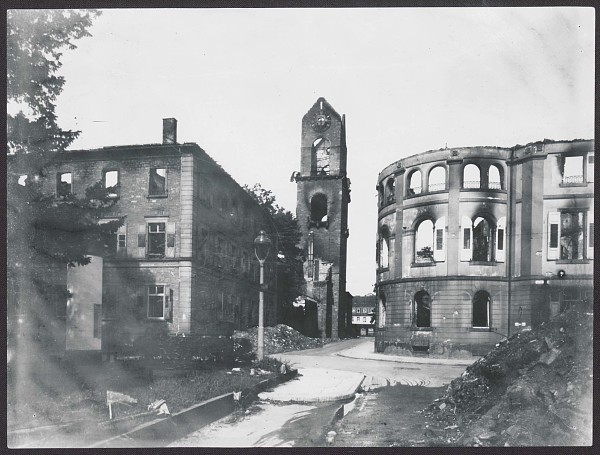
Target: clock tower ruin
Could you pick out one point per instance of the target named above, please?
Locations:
(323, 194)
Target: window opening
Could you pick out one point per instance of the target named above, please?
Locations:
(481, 309)
(590, 168)
(437, 179)
(384, 248)
(318, 210)
(471, 176)
(22, 180)
(573, 169)
(156, 240)
(424, 242)
(321, 152)
(382, 311)
(156, 301)
(414, 185)
(158, 180)
(494, 179)
(422, 309)
(64, 184)
(111, 180)
(390, 190)
(571, 235)
(310, 256)
(482, 240)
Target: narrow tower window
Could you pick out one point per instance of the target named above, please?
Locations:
(318, 210)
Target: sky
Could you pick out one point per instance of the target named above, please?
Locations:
(408, 80)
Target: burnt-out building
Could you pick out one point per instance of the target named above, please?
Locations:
(183, 262)
(323, 195)
(477, 243)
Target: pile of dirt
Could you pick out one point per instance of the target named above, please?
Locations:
(280, 338)
(534, 389)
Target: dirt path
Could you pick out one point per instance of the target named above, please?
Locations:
(388, 417)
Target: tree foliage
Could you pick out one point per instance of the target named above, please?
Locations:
(41, 228)
(287, 237)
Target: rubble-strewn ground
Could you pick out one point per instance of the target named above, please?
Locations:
(281, 338)
(534, 389)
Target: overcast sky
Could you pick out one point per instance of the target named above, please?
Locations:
(409, 80)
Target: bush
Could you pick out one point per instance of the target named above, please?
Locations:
(243, 352)
(270, 364)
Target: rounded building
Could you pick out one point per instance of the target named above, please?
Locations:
(476, 243)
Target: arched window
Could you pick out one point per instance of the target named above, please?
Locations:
(424, 242)
(381, 307)
(483, 240)
(494, 178)
(384, 247)
(380, 195)
(481, 309)
(318, 210)
(422, 309)
(390, 190)
(437, 179)
(320, 152)
(414, 183)
(471, 176)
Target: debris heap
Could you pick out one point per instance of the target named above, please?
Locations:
(280, 338)
(534, 389)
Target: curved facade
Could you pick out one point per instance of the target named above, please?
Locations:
(476, 243)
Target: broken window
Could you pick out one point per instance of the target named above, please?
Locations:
(111, 180)
(158, 182)
(157, 301)
(422, 309)
(483, 240)
(321, 154)
(571, 235)
(471, 176)
(424, 242)
(318, 210)
(157, 237)
(310, 258)
(390, 190)
(494, 178)
(571, 168)
(64, 184)
(437, 179)
(384, 247)
(414, 183)
(380, 197)
(381, 311)
(481, 309)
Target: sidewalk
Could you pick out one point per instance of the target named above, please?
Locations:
(316, 385)
(365, 351)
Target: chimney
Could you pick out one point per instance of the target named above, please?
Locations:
(169, 131)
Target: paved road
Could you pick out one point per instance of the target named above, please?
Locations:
(305, 424)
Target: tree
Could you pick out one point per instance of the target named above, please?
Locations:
(45, 233)
(289, 256)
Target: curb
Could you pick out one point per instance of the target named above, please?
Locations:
(168, 429)
(458, 362)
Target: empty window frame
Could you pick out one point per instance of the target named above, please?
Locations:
(572, 232)
(471, 176)
(494, 177)
(111, 182)
(424, 242)
(572, 169)
(414, 183)
(321, 156)
(590, 168)
(390, 190)
(157, 239)
(157, 301)
(158, 182)
(318, 210)
(483, 240)
(481, 309)
(64, 184)
(437, 179)
(384, 247)
(381, 311)
(422, 309)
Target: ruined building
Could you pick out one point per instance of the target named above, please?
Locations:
(475, 244)
(183, 262)
(323, 195)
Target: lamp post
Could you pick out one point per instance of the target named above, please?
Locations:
(262, 243)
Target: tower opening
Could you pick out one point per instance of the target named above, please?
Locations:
(318, 211)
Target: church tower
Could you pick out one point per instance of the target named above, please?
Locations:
(323, 194)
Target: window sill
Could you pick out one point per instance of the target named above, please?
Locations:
(421, 329)
(572, 261)
(489, 263)
(481, 329)
(567, 185)
(157, 196)
(383, 269)
(423, 264)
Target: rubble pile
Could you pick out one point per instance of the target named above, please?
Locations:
(534, 389)
(280, 338)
